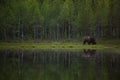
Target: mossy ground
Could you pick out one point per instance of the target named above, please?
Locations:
(54, 46)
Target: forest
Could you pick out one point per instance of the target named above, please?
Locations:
(59, 19)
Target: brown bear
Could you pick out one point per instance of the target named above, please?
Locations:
(89, 40)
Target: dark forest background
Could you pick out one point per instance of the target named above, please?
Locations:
(59, 19)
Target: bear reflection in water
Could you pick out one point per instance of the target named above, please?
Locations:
(89, 53)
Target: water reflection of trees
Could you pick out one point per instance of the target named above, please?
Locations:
(48, 64)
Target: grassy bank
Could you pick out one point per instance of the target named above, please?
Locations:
(55, 45)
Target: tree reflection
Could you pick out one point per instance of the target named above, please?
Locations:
(59, 65)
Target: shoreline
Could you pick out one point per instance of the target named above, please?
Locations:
(56, 46)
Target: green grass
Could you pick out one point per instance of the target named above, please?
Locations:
(54, 46)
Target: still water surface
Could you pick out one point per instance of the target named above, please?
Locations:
(59, 65)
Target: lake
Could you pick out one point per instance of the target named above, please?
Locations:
(59, 65)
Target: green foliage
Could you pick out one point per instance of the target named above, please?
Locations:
(58, 19)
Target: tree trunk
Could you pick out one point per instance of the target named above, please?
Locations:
(22, 35)
(69, 27)
(19, 24)
(57, 32)
(5, 35)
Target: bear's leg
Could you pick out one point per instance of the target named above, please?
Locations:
(84, 42)
(89, 42)
(94, 42)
